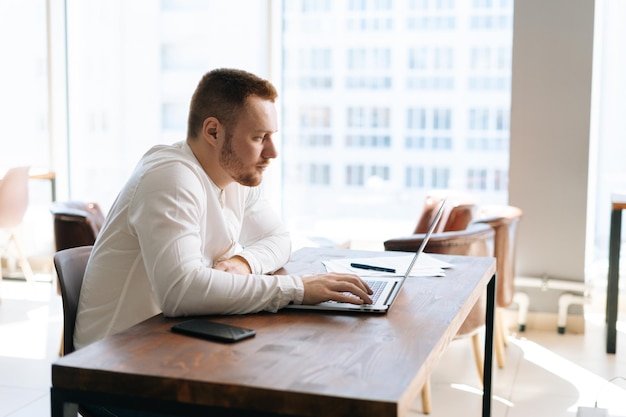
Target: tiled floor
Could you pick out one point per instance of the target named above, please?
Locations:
(546, 374)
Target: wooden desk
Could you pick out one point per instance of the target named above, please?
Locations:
(300, 363)
(618, 203)
(49, 176)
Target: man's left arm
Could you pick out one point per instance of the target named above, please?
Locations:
(265, 239)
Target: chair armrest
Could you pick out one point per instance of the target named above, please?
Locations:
(476, 240)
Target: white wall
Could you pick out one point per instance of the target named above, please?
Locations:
(550, 123)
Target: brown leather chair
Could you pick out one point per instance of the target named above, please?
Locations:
(504, 220)
(475, 240)
(458, 213)
(76, 223)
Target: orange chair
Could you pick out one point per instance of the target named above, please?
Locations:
(458, 213)
(475, 240)
(13, 204)
(504, 220)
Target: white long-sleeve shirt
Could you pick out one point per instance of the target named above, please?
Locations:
(167, 228)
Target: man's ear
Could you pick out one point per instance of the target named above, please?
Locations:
(210, 128)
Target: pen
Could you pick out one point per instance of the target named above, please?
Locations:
(372, 267)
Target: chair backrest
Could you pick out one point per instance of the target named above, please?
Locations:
(13, 196)
(458, 213)
(76, 223)
(70, 265)
(504, 220)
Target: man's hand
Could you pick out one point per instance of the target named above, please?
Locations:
(344, 288)
(236, 264)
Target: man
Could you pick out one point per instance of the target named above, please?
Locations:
(189, 234)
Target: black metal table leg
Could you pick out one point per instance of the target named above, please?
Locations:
(488, 369)
(612, 287)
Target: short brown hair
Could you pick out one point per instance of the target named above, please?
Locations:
(222, 93)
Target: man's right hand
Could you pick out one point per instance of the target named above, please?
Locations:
(343, 288)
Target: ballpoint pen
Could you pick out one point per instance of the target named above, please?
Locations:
(372, 267)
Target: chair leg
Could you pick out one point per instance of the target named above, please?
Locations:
(478, 355)
(503, 326)
(61, 353)
(426, 397)
(24, 264)
(522, 301)
(499, 339)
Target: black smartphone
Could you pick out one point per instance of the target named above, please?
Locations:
(212, 331)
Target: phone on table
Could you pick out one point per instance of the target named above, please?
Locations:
(212, 331)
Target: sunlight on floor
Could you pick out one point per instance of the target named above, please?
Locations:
(599, 320)
(591, 387)
(29, 322)
(472, 390)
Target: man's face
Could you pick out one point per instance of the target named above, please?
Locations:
(249, 146)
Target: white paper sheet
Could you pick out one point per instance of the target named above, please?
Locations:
(425, 266)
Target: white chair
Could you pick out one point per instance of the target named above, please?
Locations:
(13, 205)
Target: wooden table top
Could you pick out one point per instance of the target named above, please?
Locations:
(300, 362)
(49, 175)
(618, 201)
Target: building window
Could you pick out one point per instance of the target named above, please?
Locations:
(368, 141)
(313, 117)
(416, 118)
(500, 180)
(411, 83)
(415, 142)
(316, 140)
(477, 179)
(414, 177)
(442, 119)
(355, 175)
(440, 177)
(380, 171)
(319, 174)
(377, 117)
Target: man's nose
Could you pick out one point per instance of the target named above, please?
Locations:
(269, 150)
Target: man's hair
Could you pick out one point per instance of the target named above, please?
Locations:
(223, 93)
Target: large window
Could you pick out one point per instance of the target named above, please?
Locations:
(381, 101)
(412, 88)
(608, 132)
(24, 85)
(24, 114)
(132, 67)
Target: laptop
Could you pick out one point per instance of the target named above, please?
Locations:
(385, 289)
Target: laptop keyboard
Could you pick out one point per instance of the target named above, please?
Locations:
(377, 287)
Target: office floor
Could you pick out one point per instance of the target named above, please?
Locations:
(546, 374)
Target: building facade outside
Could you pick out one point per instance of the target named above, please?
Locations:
(386, 100)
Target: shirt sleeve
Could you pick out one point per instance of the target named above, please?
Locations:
(266, 241)
(167, 213)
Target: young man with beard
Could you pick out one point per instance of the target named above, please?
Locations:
(190, 234)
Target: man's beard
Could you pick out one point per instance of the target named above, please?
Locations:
(233, 165)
